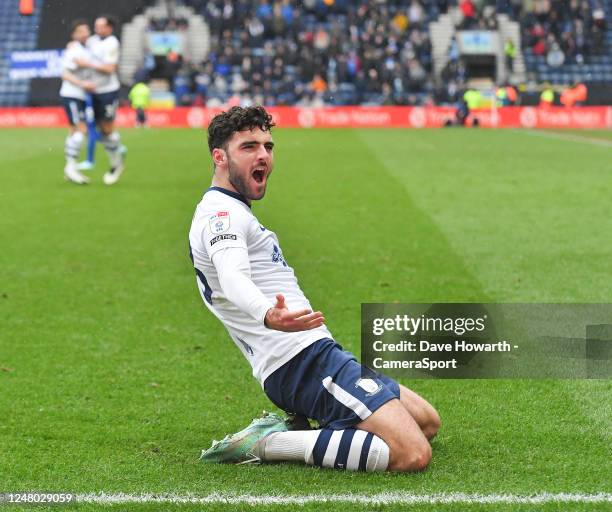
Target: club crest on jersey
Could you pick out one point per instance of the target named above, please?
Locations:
(220, 222)
(370, 386)
(277, 256)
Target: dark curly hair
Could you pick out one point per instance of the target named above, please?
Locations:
(236, 119)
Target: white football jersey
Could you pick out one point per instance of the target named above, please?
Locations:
(221, 220)
(104, 51)
(74, 51)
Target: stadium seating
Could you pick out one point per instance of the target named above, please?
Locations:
(18, 33)
(336, 18)
(296, 41)
(279, 43)
(593, 66)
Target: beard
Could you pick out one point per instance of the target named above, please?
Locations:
(241, 182)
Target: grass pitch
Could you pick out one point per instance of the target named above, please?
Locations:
(113, 375)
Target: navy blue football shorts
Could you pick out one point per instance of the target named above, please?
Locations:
(105, 105)
(75, 110)
(326, 383)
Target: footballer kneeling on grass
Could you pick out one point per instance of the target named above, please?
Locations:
(367, 421)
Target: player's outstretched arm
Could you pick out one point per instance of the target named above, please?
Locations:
(281, 319)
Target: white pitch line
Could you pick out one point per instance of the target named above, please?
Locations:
(569, 137)
(389, 498)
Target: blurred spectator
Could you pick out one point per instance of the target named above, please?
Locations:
(461, 114)
(172, 64)
(139, 96)
(547, 97)
(469, 14)
(511, 95)
(416, 14)
(489, 18)
(453, 50)
(399, 23)
(473, 98)
(575, 95)
(318, 85)
(501, 96)
(599, 29)
(555, 57)
(510, 54)
(505, 96)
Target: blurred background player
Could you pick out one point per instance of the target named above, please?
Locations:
(104, 49)
(92, 136)
(76, 84)
(140, 96)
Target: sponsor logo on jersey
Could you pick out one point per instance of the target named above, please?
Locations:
(370, 386)
(220, 222)
(218, 238)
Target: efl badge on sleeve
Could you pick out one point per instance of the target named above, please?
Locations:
(370, 386)
(220, 222)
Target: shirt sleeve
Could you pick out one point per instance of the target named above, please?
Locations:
(234, 271)
(223, 229)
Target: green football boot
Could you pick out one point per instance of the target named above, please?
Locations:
(243, 447)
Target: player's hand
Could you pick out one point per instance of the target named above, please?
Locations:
(88, 86)
(280, 318)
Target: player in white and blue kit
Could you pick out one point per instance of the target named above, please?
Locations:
(76, 84)
(368, 421)
(104, 49)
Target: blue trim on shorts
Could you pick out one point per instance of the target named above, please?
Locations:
(297, 386)
(75, 110)
(105, 105)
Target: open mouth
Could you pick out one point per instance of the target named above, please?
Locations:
(259, 175)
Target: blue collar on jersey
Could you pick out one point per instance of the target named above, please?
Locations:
(231, 193)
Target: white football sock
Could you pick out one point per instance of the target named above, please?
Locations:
(72, 146)
(348, 449)
(112, 144)
(294, 445)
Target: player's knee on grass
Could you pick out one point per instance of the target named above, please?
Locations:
(428, 420)
(432, 424)
(406, 458)
(422, 411)
(409, 448)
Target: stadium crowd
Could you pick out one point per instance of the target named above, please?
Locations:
(314, 52)
(564, 30)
